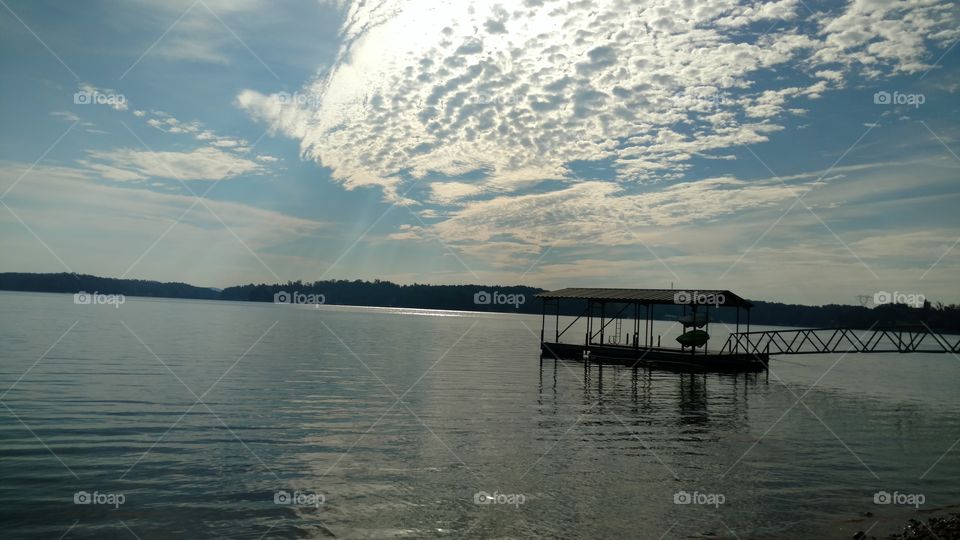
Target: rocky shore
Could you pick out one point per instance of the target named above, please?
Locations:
(937, 528)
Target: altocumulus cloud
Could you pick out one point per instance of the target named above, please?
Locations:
(570, 80)
(519, 91)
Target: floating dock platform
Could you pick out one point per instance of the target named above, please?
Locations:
(657, 357)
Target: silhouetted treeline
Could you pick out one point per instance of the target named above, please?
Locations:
(73, 283)
(942, 318)
(937, 316)
(510, 299)
(516, 299)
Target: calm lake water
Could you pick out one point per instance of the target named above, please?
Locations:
(195, 419)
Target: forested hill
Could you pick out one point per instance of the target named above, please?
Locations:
(74, 283)
(510, 299)
(515, 298)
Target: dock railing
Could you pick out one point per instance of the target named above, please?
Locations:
(841, 340)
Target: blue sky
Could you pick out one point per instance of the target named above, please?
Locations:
(786, 150)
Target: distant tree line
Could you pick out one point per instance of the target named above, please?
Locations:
(74, 283)
(494, 298)
(388, 294)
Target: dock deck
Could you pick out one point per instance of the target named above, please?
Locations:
(656, 357)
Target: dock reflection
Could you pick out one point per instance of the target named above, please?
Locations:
(680, 398)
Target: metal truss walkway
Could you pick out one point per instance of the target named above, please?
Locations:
(842, 340)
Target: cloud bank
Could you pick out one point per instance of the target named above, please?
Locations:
(492, 107)
(520, 90)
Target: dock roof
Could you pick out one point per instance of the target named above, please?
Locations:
(679, 297)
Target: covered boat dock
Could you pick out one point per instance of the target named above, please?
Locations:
(619, 328)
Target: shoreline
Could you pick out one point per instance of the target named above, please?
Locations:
(941, 523)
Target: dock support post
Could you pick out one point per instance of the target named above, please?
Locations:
(557, 330)
(589, 322)
(603, 315)
(651, 325)
(589, 335)
(543, 321)
(737, 344)
(707, 330)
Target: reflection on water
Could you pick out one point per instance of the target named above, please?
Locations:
(637, 387)
(305, 401)
(787, 461)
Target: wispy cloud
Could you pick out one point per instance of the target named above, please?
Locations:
(120, 223)
(200, 164)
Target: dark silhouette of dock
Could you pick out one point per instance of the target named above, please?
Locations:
(609, 311)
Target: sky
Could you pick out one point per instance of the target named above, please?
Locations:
(795, 151)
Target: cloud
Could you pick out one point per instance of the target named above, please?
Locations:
(888, 38)
(200, 164)
(291, 119)
(66, 115)
(483, 88)
(283, 116)
(75, 214)
(499, 111)
(451, 192)
(221, 158)
(596, 212)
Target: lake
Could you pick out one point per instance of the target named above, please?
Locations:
(165, 418)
